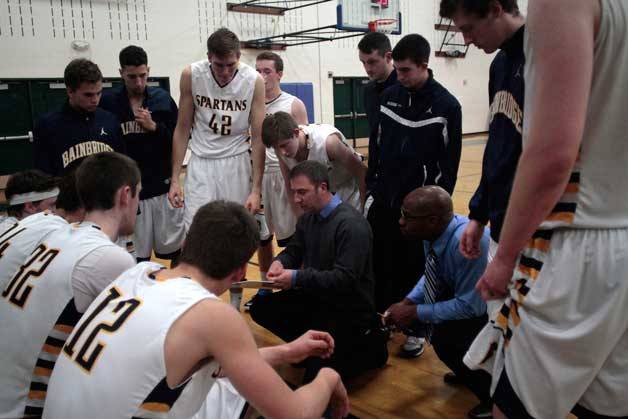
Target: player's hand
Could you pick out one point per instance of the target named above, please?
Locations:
(283, 280)
(253, 202)
(401, 315)
(311, 343)
(493, 284)
(339, 402)
(175, 195)
(470, 240)
(142, 117)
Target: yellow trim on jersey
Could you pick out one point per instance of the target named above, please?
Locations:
(566, 217)
(42, 372)
(572, 188)
(155, 407)
(55, 350)
(63, 328)
(37, 395)
(526, 270)
(539, 244)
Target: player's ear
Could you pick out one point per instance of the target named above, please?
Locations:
(388, 56)
(123, 195)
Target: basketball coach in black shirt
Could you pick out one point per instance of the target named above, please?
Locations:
(326, 279)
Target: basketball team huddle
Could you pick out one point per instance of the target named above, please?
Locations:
(91, 327)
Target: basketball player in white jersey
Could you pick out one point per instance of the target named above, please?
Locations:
(42, 302)
(27, 193)
(222, 103)
(23, 237)
(563, 251)
(152, 343)
(295, 143)
(278, 212)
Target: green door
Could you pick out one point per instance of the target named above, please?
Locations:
(343, 106)
(360, 122)
(47, 96)
(349, 111)
(15, 121)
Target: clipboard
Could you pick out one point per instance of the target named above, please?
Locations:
(255, 284)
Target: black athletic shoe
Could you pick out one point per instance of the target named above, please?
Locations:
(482, 410)
(452, 379)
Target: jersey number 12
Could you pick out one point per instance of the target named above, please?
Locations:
(122, 310)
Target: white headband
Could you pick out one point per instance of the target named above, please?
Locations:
(32, 197)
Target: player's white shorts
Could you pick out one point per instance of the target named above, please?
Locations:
(208, 180)
(223, 402)
(277, 210)
(564, 326)
(159, 227)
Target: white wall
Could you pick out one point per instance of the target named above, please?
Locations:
(36, 38)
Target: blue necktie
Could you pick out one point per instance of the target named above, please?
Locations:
(430, 287)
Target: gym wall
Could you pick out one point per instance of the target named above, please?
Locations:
(39, 37)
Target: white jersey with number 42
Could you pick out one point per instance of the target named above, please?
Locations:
(221, 113)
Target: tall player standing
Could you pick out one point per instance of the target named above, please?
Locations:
(222, 99)
(279, 215)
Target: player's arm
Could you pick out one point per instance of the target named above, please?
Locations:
(563, 69)
(228, 340)
(298, 111)
(311, 343)
(339, 151)
(181, 135)
(258, 150)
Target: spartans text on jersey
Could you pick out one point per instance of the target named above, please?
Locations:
(220, 104)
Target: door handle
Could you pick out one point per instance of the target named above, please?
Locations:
(28, 137)
(344, 115)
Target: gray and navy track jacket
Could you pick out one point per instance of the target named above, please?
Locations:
(419, 143)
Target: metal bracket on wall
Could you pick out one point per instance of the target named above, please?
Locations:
(451, 31)
(281, 42)
(309, 36)
(268, 7)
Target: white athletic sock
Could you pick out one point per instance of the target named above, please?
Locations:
(235, 298)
